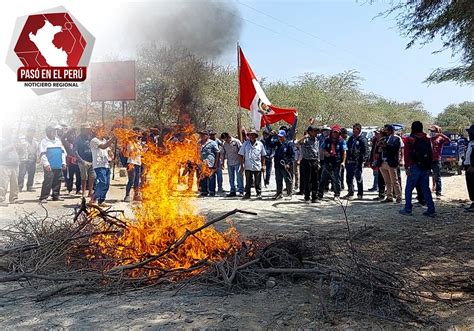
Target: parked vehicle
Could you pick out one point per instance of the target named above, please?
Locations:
(452, 154)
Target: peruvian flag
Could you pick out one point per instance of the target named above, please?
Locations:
(254, 99)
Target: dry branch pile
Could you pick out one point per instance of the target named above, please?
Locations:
(50, 255)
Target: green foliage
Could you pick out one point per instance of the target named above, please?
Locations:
(457, 117)
(452, 21)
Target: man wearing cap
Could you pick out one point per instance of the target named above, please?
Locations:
(230, 151)
(309, 147)
(334, 149)
(209, 157)
(28, 154)
(53, 160)
(438, 140)
(390, 157)
(357, 155)
(469, 165)
(284, 159)
(252, 161)
(83, 153)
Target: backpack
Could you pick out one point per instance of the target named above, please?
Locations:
(421, 153)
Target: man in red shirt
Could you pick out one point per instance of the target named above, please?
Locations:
(418, 159)
(438, 140)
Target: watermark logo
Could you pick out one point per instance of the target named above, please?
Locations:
(51, 50)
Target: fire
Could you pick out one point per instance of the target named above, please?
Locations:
(165, 213)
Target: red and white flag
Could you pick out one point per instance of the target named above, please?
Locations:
(253, 98)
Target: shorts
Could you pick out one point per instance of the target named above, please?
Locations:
(87, 171)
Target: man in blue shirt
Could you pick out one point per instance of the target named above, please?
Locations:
(284, 159)
(209, 156)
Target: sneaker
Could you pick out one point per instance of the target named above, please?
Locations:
(314, 200)
(43, 201)
(104, 205)
(359, 197)
(203, 195)
(289, 196)
(438, 196)
(277, 196)
(231, 195)
(212, 194)
(246, 197)
(387, 200)
(58, 199)
(241, 194)
(429, 214)
(405, 212)
(31, 190)
(399, 200)
(373, 189)
(127, 198)
(337, 198)
(259, 196)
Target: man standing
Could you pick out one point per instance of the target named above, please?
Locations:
(71, 161)
(269, 142)
(309, 146)
(284, 159)
(469, 165)
(252, 161)
(357, 155)
(28, 154)
(53, 159)
(134, 151)
(83, 153)
(8, 167)
(418, 159)
(334, 149)
(100, 162)
(438, 140)
(209, 156)
(230, 151)
(219, 178)
(390, 145)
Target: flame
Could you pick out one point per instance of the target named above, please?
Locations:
(165, 212)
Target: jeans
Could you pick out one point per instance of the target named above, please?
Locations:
(208, 184)
(268, 170)
(436, 168)
(330, 171)
(26, 167)
(134, 175)
(420, 177)
(341, 177)
(281, 173)
(380, 184)
(51, 182)
(309, 176)
(219, 176)
(253, 177)
(234, 171)
(102, 183)
(354, 169)
(375, 185)
(73, 169)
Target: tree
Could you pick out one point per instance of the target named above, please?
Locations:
(457, 117)
(452, 21)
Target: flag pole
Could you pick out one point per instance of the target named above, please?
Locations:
(239, 112)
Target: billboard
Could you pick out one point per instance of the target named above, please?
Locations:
(113, 81)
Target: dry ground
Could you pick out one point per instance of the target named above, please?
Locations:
(438, 248)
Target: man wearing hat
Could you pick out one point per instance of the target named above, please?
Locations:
(284, 159)
(209, 156)
(334, 150)
(438, 140)
(309, 147)
(469, 165)
(252, 161)
(83, 153)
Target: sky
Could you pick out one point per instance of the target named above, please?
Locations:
(282, 40)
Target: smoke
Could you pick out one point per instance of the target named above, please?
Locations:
(204, 27)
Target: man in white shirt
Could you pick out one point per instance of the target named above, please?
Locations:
(230, 151)
(252, 161)
(100, 162)
(53, 160)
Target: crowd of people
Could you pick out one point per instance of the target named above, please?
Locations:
(324, 159)
(330, 156)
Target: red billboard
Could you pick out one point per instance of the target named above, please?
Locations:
(113, 81)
